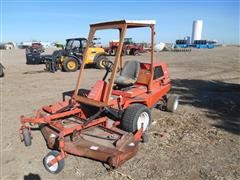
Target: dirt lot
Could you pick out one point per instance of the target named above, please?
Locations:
(200, 141)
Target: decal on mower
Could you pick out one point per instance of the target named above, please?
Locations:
(94, 148)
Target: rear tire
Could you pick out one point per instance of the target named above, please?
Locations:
(99, 62)
(55, 168)
(113, 51)
(135, 52)
(132, 51)
(134, 116)
(70, 65)
(172, 103)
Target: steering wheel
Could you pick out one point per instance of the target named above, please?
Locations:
(75, 49)
(108, 65)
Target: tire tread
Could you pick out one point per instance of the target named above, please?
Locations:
(129, 120)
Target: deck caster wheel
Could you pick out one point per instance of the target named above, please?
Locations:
(27, 137)
(172, 103)
(55, 168)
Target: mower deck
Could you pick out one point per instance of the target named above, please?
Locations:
(109, 145)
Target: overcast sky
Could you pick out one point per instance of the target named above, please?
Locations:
(26, 20)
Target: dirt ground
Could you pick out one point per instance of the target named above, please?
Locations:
(200, 141)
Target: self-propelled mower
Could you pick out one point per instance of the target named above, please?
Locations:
(107, 122)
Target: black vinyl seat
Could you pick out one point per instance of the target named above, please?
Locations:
(129, 74)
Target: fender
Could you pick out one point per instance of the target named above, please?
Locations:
(133, 101)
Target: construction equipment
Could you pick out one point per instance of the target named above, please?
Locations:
(1, 70)
(72, 55)
(107, 122)
(34, 57)
(37, 47)
(129, 47)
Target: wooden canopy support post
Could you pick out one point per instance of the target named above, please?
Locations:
(121, 61)
(116, 62)
(152, 56)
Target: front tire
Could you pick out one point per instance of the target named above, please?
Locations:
(113, 51)
(55, 168)
(70, 65)
(135, 116)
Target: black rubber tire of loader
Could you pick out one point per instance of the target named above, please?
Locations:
(65, 65)
(113, 52)
(135, 52)
(130, 117)
(99, 64)
(60, 164)
(27, 137)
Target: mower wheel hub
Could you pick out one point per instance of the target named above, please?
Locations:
(143, 121)
(71, 65)
(54, 167)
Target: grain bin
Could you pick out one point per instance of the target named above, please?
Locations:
(197, 30)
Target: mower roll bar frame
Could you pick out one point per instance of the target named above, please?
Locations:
(122, 26)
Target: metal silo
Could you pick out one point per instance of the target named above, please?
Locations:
(197, 30)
